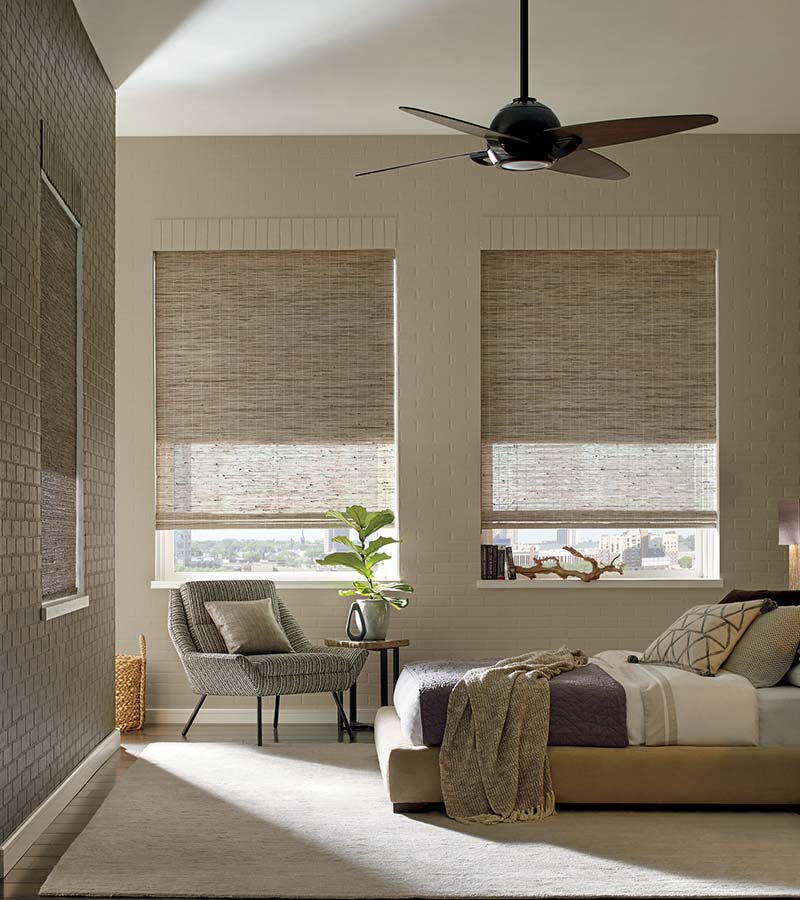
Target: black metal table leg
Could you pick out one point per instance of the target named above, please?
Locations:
(384, 677)
(354, 723)
(382, 648)
(258, 711)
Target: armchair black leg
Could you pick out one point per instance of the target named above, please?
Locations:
(342, 717)
(193, 716)
(277, 711)
(258, 711)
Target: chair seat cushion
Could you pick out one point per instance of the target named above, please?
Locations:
(320, 662)
(320, 669)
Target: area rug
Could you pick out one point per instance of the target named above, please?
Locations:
(312, 820)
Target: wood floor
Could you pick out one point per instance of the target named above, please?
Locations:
(25, 879)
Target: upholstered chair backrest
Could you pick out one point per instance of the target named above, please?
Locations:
(204, 633)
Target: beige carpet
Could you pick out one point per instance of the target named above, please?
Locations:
(228, 820)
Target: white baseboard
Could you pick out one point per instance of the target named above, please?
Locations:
(20, 841)
(243, 716)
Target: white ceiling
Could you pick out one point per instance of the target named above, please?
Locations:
(344, 66)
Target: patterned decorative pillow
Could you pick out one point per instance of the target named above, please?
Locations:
(766, 651)
(703, 637)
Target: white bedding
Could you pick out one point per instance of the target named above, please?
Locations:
(779, 716)
(670, 706)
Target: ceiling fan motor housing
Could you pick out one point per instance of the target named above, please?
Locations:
(527, 119)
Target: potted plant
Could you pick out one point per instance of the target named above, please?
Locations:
(371, 608)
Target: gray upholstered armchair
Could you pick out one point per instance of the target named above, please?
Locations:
(212, 670)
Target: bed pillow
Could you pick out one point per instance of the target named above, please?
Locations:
(766, 651)
(793, 675)
(782, 598)
(703, 637)
(249, 626)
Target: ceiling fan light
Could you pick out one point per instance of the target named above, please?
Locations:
(524, 165)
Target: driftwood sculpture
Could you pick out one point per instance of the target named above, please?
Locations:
(551, 565)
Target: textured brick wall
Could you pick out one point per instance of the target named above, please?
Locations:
(750, 182)
(56, 678)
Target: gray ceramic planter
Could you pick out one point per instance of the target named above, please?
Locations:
(368, 620)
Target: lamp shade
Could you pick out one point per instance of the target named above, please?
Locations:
(788, 522)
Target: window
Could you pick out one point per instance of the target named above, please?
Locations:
(61, 404)
(274, 399)
(599, 395)
(275, 553)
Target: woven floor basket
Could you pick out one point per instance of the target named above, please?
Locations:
(129, 681)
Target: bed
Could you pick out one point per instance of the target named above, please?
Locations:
(686, 739)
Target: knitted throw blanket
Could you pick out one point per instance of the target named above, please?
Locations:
(493, 759)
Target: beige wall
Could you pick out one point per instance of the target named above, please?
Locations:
(752, 183)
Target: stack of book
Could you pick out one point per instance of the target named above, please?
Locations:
(497, 563)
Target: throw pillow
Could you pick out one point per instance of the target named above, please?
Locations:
(249, 626)
(782, 598)
(766, 651)
(793, 675)
(703, 637)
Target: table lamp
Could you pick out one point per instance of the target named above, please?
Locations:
(789, 535)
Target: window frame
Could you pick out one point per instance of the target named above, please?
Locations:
(622, 233)
(165, 236)
(61, 606)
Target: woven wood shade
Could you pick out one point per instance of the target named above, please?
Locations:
(598, 388)
(274, 386)
(58, 398)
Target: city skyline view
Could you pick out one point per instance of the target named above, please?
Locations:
(263, 550)
(638, 549)
(657, 551)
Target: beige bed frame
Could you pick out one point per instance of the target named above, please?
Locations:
(763, 776)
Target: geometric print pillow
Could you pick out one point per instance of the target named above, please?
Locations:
(703, 637)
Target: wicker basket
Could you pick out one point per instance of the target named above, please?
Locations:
(129, 681)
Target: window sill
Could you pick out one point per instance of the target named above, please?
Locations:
(548, 583)
(52, 609)
(303, 584)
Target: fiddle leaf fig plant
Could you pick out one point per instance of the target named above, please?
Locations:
(363, 555)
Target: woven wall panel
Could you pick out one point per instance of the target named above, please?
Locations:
(598, 387)
(58, 354)
(56, 676)
(274, 386)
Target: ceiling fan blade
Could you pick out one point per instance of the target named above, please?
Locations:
(622, 131)
(422, 162)
(590, 165)
(480, 131)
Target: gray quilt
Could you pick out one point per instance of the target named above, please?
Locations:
(587, 706)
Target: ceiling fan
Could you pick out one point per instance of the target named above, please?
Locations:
(526, 135)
